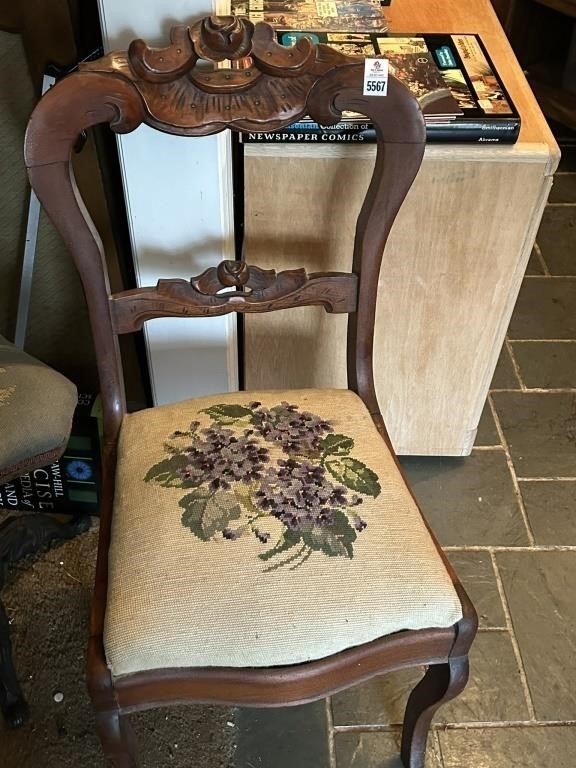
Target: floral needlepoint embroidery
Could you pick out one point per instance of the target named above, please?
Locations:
(5, 395)
(315, 490)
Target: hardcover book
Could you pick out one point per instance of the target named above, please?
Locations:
(459, 91)
(347, 15)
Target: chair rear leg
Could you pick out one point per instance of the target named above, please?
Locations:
(116, 738)
(441, 683)
(12, 702)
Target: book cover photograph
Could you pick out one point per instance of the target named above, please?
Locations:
(461, 96)
(490, 94)
(348, 15)
(411, 61)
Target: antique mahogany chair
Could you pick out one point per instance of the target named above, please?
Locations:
(260, 548)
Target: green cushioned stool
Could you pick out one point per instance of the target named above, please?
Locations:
(36, 409)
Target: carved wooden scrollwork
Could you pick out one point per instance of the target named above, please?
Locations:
(212, 293)
(271, 88)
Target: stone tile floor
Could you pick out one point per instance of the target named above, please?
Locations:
(506, 515)
(507, 518)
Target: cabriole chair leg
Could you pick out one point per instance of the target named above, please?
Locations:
(116, 738)
(12, 703)
(441, 683)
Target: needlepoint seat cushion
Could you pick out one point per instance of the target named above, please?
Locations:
(36, 409)
(263, 529)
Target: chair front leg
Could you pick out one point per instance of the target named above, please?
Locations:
(116, 738)
(12, 702)
(441, 683)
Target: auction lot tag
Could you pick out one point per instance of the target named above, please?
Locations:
(375, 77)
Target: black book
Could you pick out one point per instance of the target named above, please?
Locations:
(70, 485)
(461, 95)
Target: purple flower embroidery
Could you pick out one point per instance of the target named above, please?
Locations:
(312, 492)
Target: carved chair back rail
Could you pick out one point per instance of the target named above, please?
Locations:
(159, 87)
(163, 88)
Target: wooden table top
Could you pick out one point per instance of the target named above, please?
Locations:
(479, 17)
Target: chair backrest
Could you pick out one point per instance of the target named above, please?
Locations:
(166, 89)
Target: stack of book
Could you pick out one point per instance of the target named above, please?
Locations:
(459, 91)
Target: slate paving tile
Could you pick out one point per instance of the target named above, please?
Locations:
(568, 159)
(382, 700)
(487, 433)
(378, 750)
(534, 266)
(468, 501)
(546, 364)
(564, 188)
(493, 671)
(534, 747)
(551, 510)
(476, 573)
(557, 239)
(282, 738)
(540, 429)
(504, 374)
(540, 589)
(545, 309)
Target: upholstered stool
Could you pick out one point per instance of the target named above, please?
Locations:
(36, 409)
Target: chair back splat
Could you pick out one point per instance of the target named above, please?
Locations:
(165, 89)
(328, 573)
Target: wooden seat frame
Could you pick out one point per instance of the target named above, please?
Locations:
(165, 89)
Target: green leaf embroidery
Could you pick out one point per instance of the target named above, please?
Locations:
(337, 445)
(334, 541)
(287, 541)
(166, 472)
(355, 475)
(227, 414)
(207, 513)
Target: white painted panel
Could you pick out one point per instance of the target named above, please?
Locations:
(179, 201)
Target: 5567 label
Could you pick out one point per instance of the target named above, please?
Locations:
(375, 77)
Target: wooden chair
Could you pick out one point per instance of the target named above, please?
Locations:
(263, 548)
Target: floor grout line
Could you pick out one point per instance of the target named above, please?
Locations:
(560, 205)
(514, 641)
(506, 724)
(549, 277)
(512, 471)
(486, 448)
(503, 548)
(539, 390)
(393, 728)
(330, 724)
(542, 341)
(540, 258)
(558, 479)
(436, 737)
(368, 728)
(515, 364)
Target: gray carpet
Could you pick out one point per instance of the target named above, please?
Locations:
(47, 599)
